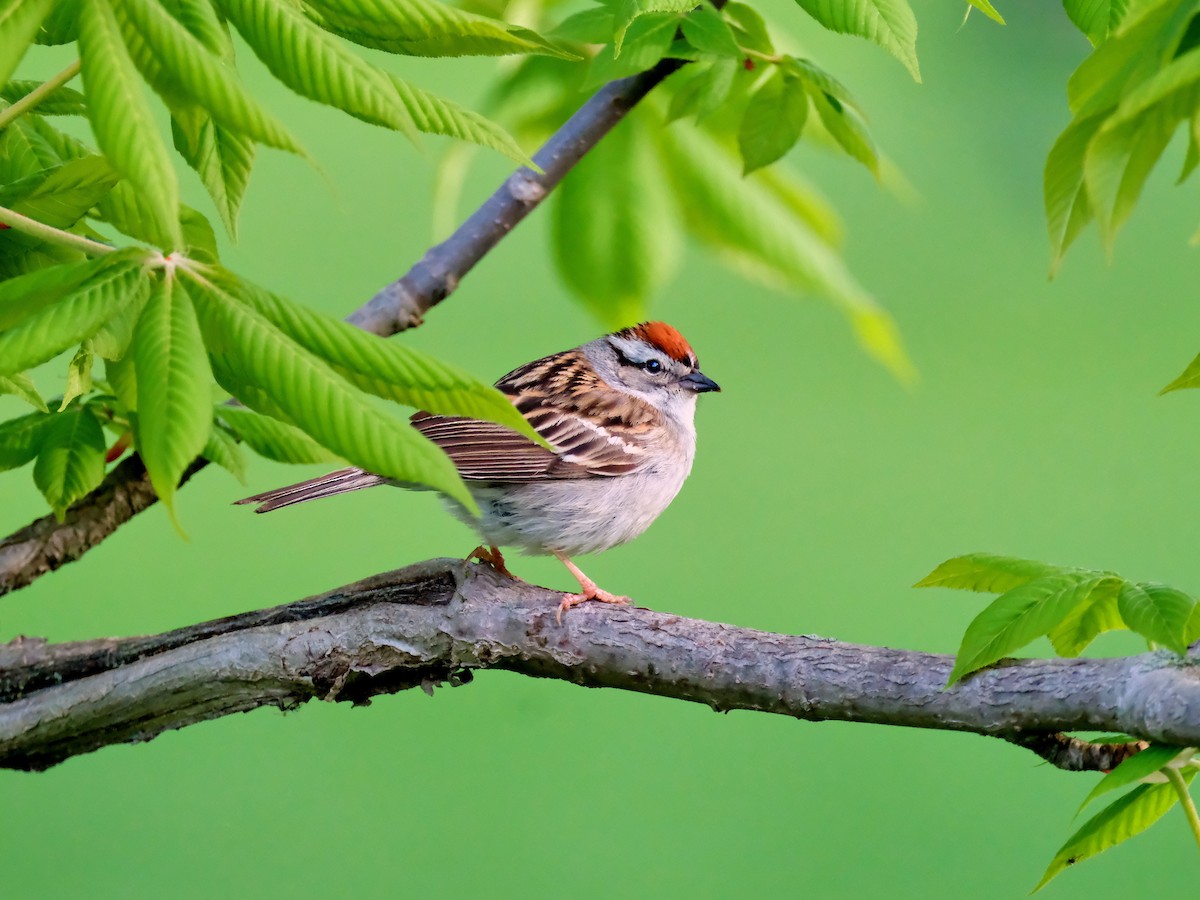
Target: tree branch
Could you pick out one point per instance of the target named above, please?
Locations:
(440, 621)
(45, 544)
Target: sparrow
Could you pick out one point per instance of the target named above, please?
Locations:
(619, 415)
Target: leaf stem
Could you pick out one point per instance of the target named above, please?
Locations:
(38, 94)
(50, 234)
(1185, 800)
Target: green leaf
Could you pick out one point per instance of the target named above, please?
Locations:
(192, 69)
(1096, 18)
(987, 9)
(749, 28)
(762, 237)
(382, 367)
(70, 320)
(1095, 614)
(174, 402)
(124, 122)
(888, 23)
(847, 128)
(987, 573)
(626, 12)
(1068, 209)
(1178, 75)
(204, 23)
(21, 438)
(22, 386)
(804, 201)
(79, 375)
(1157, 612)
(316, 65)
(62, 101)
(427, 28)
(62, 195)
(273, 439)
(701, 92)
(249, 350)
(435, 115)
(646, 42)
(223, 449)
(706, 30)
(615, 236)
(1014, 619)
(62, 25)
(1129, 815)
(819, 80)
(1134, 768)
(19, 22)
(70, 462)
(22, 296)
(773, 121)
(221, 157)
(594, 25)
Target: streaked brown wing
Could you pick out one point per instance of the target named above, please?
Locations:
(593, 432)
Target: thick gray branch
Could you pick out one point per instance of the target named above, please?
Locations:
(440, 621)
(46, 544)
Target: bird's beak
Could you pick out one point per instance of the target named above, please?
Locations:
(699, 382)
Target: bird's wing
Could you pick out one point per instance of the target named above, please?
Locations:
(594, 431)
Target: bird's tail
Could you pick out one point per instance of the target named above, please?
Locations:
(339, 482)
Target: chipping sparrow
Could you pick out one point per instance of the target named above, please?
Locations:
(618, 412)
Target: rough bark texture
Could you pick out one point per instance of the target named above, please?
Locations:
(439, 621)
(45, 544)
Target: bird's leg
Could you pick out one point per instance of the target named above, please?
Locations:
(493, 557)
(590, 590)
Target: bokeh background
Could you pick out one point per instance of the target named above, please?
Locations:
(822, 490)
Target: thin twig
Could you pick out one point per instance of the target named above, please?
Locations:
(1185, 800)
(37, 95)
(51, 235)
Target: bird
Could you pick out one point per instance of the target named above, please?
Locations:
(618, 414)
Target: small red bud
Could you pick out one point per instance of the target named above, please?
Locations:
(748, 64)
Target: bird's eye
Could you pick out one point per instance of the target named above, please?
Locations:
(653, 366)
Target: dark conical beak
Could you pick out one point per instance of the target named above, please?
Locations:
(699, 382)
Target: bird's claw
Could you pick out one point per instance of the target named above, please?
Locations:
(491, 556)
(603, 596)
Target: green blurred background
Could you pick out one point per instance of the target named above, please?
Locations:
(822, 490)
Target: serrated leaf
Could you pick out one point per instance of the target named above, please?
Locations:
(123, 121)
(764, 239)
(1157, 612)
(1096, 18)
(1013, 620)
(223, 449)
(435, 115)
(427, 28)
(315, 64)
(79, 375)
(987, 573)
(273, 439)
(68, 321)
(1134, 768)
(615, 236)
(594, 25)
(62, 101)
(646, 42)
(62, 195)
(22, 296)
(221, 157)
(203, 22)
(626, 12)
(1125, 817)
(62, 25)
(888, 23)
(252, 351)
(773, 121)
(21, 437)
(706, 30)
(21, 385)
(820, 80)
(174, 403)
(70, 462)
(192, 69)
(19, 23)
(1095, 614)
(1068, 209)
(385, 368)
(847, 128)
(702, 91)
